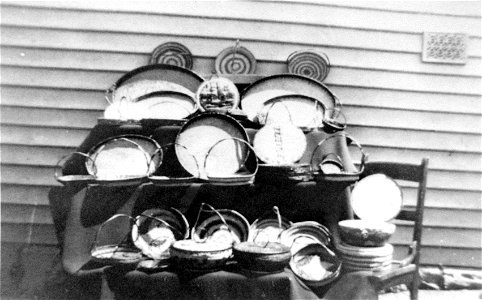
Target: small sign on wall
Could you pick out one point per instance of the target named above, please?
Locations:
(443, 47)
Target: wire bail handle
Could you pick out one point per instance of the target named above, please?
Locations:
(350, 140)
(223, 220)
(243, 164)
(163, 222)
(280, 225)
(264, 117)
(60, 163)
(96, 240)
(180, 145)
(146, 155)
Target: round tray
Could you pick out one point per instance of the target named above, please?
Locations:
(123, 159)
(172, 53)
(200, 134)
(279, 144)
(161, 72)
(376, 198)
(283, 84)
(235, 60)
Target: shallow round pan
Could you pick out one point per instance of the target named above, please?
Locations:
(200, 134)
(116, 255)
(124, 157)
(291, 84)
(131, 92)
(376, 198)
(162, 72)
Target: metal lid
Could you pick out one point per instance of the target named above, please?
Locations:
(376, 198)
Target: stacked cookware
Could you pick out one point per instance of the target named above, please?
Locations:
(375, 199)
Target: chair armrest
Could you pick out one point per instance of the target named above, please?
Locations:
(409, 259)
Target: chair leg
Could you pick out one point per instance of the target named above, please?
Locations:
(413, 290)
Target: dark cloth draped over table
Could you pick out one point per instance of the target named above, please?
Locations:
(325, 202)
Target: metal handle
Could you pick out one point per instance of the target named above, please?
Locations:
(348, 138)
(96, 240)
(272, 104)
(146, 155)
(59, 165)
(163, 222)
(187, 150)
(243, 163)
(223, 220)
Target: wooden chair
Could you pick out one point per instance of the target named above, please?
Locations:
(407, 270)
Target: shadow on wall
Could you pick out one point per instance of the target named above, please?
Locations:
(35, 272)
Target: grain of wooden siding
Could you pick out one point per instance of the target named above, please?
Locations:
(439, 121)
(47, 136)
(459, 9)
(24, 194)
(408, 100)
(411, 139)
(218, 28)
(442, 160)
(458, 257)
(452, 199)
(439, 236)
(200, 47)
(389, 61)
(52, 98)
(20, 233)
(14, 213)
(33, 155)
(332, 15)
(49, 117)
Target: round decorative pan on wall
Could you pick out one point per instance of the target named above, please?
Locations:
(172, 53)
(235, 60)
(310, 63)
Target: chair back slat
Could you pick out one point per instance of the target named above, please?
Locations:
(400, 171)
(407, 215)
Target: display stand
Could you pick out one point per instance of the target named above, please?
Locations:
(323, 201)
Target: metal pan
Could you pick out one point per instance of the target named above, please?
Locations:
(171, 74)
(290, 84)
(201, 133)
(124, 159)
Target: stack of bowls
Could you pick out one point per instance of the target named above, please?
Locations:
(376, 199)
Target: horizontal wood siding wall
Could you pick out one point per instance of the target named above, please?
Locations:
(57, 59)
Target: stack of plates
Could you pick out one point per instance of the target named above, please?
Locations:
(365, 258)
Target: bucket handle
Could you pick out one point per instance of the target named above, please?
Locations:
(99, 230)
(146, 155)
(223, 220)
(60, 163)
(253, 173)
(350, 139)
(180, 145)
